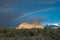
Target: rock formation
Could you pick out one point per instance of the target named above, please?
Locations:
(29, 26)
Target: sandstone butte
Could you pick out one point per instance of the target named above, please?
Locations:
(26, 25)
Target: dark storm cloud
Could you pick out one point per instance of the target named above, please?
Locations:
(6, 8)
(12, 9)
(8, 3)
(46, 1)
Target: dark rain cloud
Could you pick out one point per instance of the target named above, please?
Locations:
(12, 9)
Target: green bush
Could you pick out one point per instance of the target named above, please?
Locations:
(11, 32)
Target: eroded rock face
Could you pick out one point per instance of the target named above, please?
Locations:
(37, 25)
(29, 26)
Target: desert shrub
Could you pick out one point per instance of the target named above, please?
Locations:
(11, 32)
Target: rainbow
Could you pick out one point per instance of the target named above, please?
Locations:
(36, 12)
(46, 9)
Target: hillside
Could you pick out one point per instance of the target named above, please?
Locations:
(30, 34)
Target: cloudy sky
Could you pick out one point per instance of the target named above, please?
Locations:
(13, 12)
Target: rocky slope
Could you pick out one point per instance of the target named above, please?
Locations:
(29, 26)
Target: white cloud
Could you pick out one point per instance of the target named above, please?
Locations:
(54, 24)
